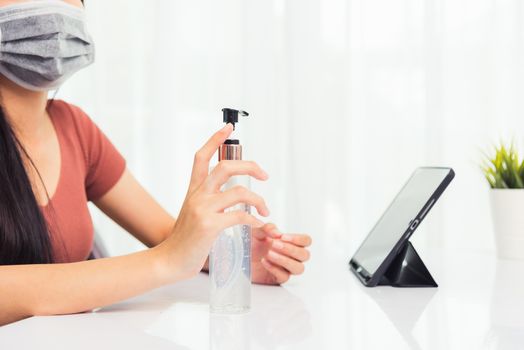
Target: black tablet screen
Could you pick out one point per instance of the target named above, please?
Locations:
(396, 220)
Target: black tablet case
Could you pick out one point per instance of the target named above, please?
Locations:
(407, 270)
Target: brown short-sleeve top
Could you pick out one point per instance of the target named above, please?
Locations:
(90, 167)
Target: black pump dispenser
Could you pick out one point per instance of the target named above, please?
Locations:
(231, 115)
(231, 149)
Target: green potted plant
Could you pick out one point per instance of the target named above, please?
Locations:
(504, 171)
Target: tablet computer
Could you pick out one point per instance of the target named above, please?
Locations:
(393, 230)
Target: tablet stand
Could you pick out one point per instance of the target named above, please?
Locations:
(407, 270)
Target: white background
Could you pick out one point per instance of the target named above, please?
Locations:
(346, 99)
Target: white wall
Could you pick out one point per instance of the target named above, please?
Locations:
(347, 98)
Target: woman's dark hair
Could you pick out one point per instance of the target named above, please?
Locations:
(24, 235)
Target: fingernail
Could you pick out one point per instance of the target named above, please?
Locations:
(227, 126)
(273, 255)
(275, 234)
(278, 244)
(287, 238)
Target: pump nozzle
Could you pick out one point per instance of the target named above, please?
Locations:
(231, 115)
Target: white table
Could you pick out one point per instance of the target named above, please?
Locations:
(479, 305)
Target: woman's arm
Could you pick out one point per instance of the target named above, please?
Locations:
(134, 209)
(48, 289)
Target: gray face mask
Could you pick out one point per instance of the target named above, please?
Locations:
(42, 43)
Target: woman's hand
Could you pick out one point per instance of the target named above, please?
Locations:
(276, 256)
(202, 216)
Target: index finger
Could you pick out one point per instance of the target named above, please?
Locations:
(204, 154)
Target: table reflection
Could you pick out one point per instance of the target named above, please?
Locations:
(403, 307)
(506, 316)
(277, 318)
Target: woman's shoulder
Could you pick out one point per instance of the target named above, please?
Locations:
(104, 164)
(67, 113)
(73, 124)
(72, 119)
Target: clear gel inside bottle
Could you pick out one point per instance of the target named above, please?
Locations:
(230, 262)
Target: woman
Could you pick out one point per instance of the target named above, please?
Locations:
(54, 159)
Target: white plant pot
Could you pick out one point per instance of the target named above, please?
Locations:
(507, 211)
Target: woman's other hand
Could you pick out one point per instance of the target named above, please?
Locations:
(276, 256)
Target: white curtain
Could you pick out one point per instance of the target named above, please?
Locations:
(346, 99)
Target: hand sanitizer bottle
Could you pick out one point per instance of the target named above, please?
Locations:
(230, 257)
